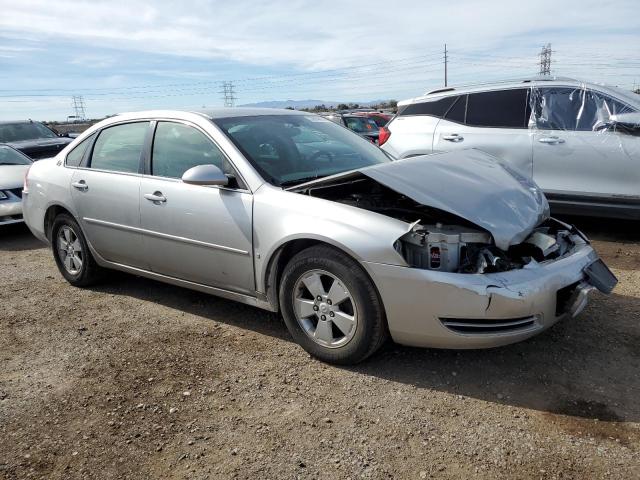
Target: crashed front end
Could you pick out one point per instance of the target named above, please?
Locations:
(485, 265)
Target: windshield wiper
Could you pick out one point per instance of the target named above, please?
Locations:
(300, 181)
(3, 163)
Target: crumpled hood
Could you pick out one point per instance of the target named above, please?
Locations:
(12, 176)
(472, 185)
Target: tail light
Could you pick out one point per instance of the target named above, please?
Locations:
(384, 135)
(25, 186)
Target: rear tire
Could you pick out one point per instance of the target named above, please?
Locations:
(71, 253)
(331, 307)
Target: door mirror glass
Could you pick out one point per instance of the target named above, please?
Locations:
(205, 175)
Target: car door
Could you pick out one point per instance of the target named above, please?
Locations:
(575, 154)
(197, 233)
(106, 193)
(496, 122)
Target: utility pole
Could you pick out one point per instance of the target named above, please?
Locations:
(445, 64)
(545, 60)
(228, 94)
(78, 107)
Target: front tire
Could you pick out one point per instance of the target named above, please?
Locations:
(71, 252)
(331, 307)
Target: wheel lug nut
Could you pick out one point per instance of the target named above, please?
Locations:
(323, 317)
(315, 308)
(328, 301)
(319, 298)
(331, 314)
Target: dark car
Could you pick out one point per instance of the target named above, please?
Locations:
(32, 138)
(362, 125)
(380, 118)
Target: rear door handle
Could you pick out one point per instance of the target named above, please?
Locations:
(155, 197)
(551, 140)
(454, 137)
(80, 185)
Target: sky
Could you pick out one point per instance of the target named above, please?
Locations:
(141, 54)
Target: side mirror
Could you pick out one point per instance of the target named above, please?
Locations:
(205, 175)
(629, 121)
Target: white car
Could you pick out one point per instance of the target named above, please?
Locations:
(579, 142)
(13, 167)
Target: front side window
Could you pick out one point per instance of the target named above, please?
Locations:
(178, 147)
(291, 149)
(18, 132)
(499, 109)
(574, 109)
(75, 156)
(119, 148)
(9, 156)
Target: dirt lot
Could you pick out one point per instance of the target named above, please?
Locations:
(136, 379)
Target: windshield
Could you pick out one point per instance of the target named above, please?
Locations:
(9, 156)
(16, 132)
(291, 149)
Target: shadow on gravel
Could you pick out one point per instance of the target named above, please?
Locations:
(585, 367)
(195, 303)
(18, 237)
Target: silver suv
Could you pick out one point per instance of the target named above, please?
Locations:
(580, 142)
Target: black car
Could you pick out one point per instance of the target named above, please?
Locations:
(32, 138)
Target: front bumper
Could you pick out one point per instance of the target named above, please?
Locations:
(10, 209)
(452, 310)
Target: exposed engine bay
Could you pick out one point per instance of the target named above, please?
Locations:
(441, 241)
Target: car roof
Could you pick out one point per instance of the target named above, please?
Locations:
(13, 122)
(519, 83)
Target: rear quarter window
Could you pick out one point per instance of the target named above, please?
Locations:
(434, 108)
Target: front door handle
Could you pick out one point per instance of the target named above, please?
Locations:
(155, 197)
(454, 137)
(80, 185)
(551, 140)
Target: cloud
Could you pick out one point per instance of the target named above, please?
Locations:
(309, 34)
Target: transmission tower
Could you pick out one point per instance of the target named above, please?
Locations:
(78, 107)
(446, 61)
(545, 60)
(228, 94)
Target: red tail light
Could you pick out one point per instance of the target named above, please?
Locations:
(385, 133)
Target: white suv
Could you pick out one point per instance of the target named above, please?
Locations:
(580, 142)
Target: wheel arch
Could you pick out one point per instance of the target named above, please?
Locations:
(50, 215)
(281, 256)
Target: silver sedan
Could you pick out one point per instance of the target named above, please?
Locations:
(13, 167)
(290, 212)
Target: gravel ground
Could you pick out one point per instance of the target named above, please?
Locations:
(136, 379)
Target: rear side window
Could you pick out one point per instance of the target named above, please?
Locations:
(434, 108)
(178, 147)
(501, 109)
(75, 156)
(119, 148)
